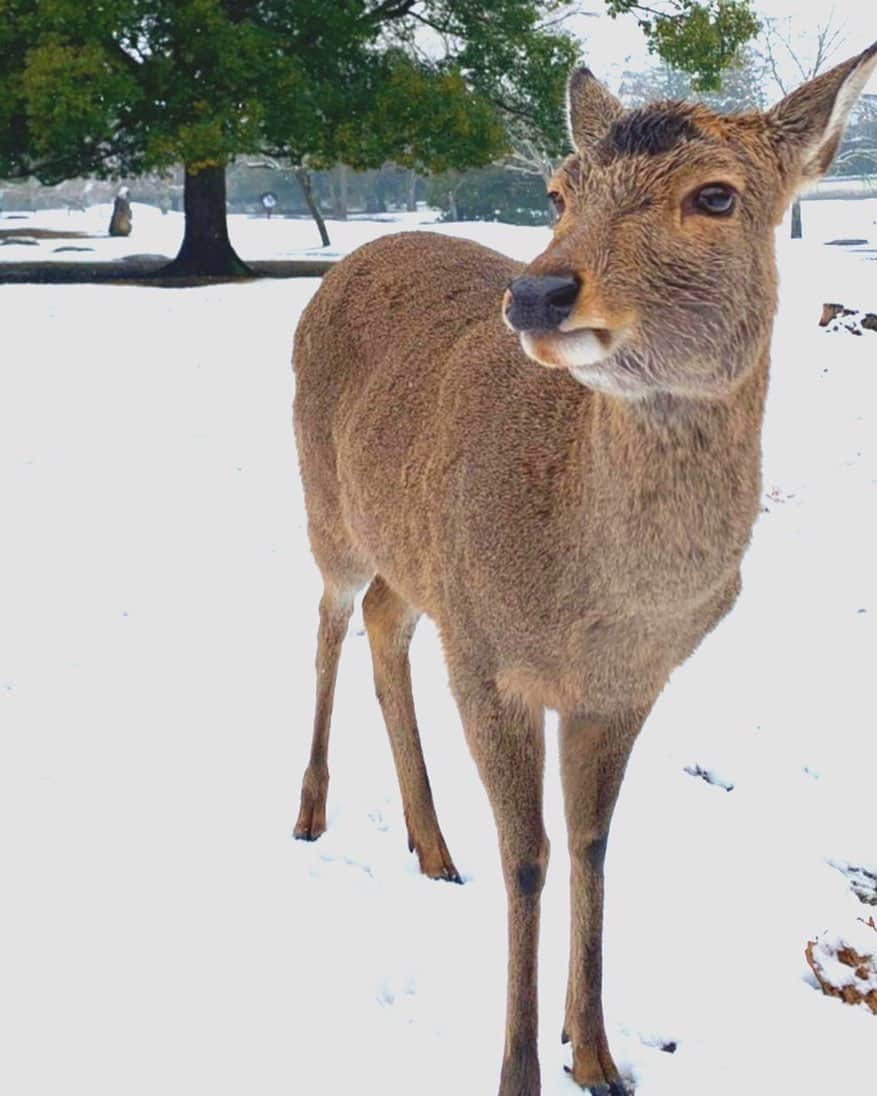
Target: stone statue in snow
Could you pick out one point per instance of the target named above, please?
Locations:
(120, 222)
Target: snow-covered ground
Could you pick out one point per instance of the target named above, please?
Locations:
(287, 238)
(161, 930)
(279, 238)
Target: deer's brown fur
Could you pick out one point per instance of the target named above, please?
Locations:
(574, 531)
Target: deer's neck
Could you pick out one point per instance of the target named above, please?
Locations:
(673, 487)
(676, 442)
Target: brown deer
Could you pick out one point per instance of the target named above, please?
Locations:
(560, 466)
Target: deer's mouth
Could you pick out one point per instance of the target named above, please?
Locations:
(574, 349)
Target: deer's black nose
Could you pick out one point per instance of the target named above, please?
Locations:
(541, 304)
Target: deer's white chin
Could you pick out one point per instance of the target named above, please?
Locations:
(586, 353)
(601, 380)
(568, 349)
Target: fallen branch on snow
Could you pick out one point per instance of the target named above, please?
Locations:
(844, 972)
(837, 317)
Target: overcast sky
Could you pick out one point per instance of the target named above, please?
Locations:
(610, 45)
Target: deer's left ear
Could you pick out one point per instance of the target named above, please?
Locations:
(807, 125)
(591, 108)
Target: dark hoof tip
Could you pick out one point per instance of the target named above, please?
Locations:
(446, 875)
(305, 835)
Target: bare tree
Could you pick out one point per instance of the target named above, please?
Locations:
(793, 58)
(529, 158)
(796, 58)
(303, 178)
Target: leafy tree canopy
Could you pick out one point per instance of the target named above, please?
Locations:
(128, 86)
(125, 87)
(700, 38)
(741, 87)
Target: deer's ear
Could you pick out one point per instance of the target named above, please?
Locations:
(592, 109)
(807, 125)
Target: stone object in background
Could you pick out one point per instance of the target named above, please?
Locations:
(120, 222)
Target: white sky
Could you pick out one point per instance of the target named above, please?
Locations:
(610, 46)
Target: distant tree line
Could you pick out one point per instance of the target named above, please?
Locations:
(494, 192)
(128, 88)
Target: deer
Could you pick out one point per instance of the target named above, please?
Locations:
(559, 464)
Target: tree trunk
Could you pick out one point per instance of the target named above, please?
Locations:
(304, 181)
(341, 192)
(411, 191)
(797, 228)
(206, 250)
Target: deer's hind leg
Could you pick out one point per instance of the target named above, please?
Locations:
(335, 609)
(390, 623)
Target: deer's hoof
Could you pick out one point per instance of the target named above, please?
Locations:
(609, 1088)
(311, 822)
(435, 860)
(308, 829)
(448, 873)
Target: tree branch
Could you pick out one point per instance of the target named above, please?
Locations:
(390, 9)
(119, 51)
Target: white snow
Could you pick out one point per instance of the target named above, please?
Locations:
(862, 939)
(254, 237)
(163, 933)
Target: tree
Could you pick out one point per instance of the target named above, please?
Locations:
(793, 59)
(123, 87)
(741, 87)
(111, 87)
(701, 39)
(858, 150)
(701, 42)
(490, 194)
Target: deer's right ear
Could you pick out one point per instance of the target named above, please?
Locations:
(592, 109)
(807, 125)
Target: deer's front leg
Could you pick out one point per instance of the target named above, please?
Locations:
(593, 757)
(507, 741)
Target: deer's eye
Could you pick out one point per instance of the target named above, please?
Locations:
(716, 200)
(557, 202)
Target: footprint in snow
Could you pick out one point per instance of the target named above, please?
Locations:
(710, 776)
(862, 880)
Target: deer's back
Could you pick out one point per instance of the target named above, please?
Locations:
(377, 358)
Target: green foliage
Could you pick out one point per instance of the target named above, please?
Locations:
(523, 71)
(123, 87)
(126, 86)
(741, 87)
(422, 116)
(70, 94)
(491, 194)
(858, 151)
(701, 39)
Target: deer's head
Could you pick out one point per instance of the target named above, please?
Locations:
(661, 276)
